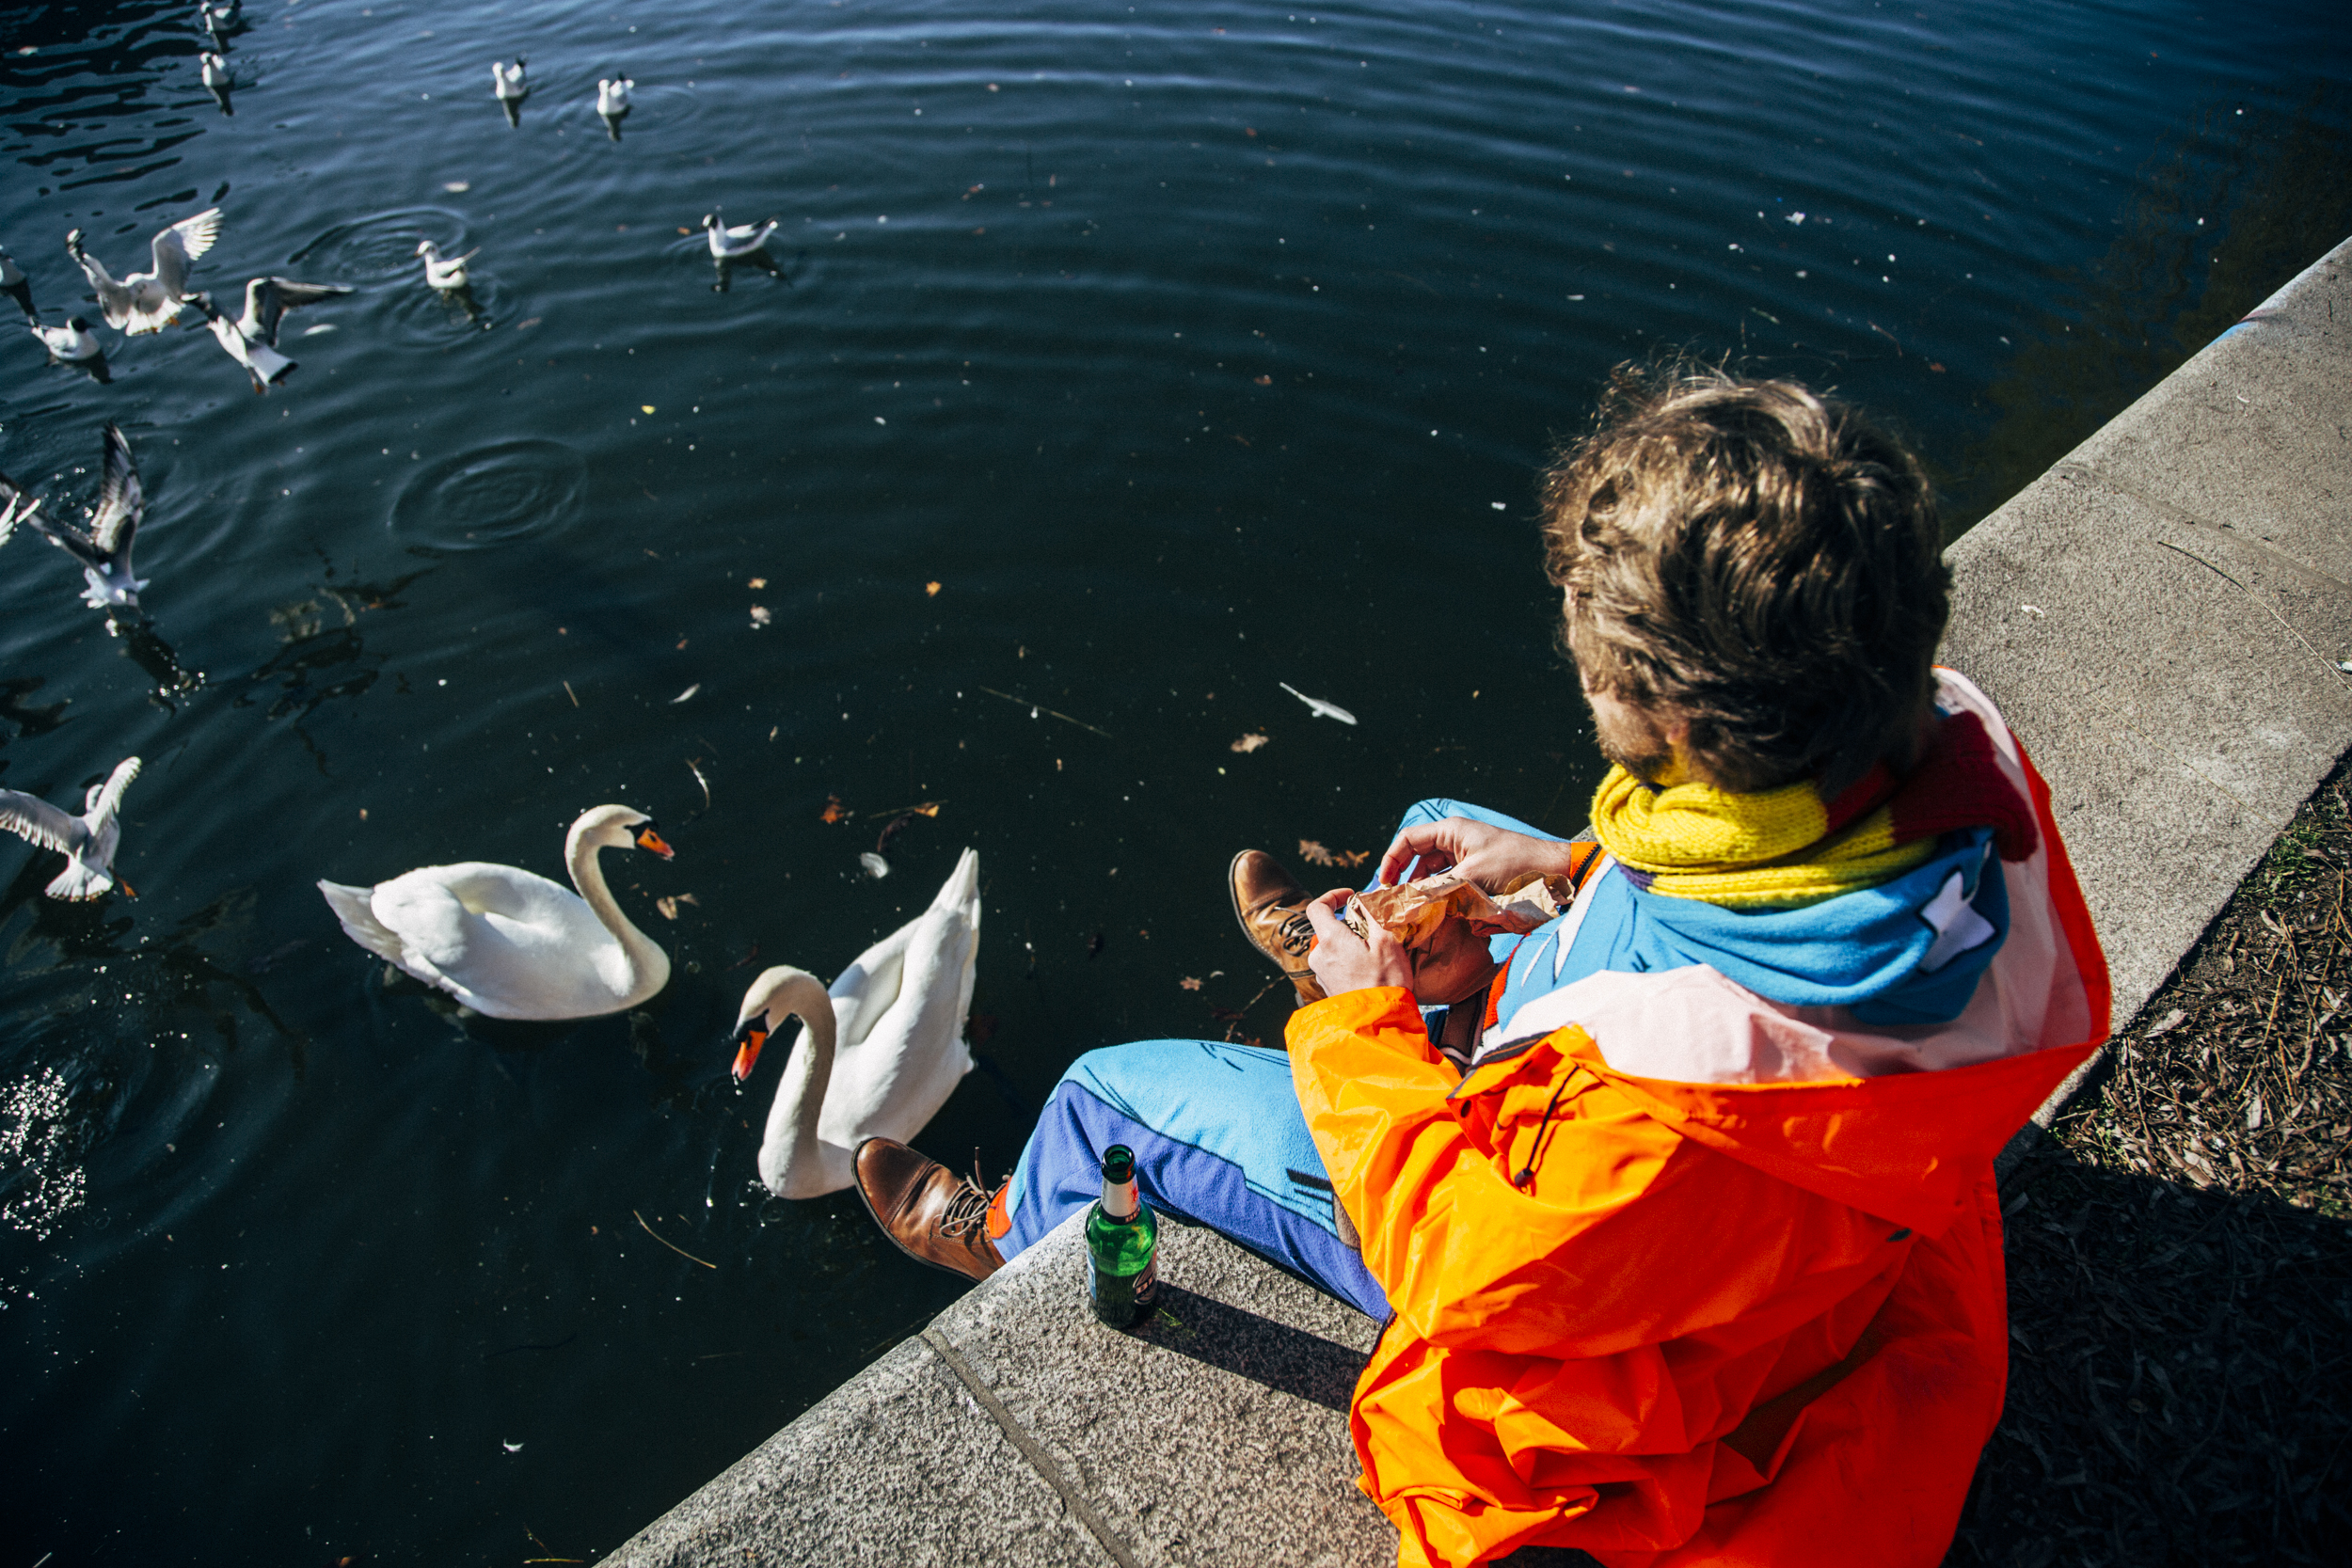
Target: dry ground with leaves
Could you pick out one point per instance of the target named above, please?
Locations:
(2180, 1256)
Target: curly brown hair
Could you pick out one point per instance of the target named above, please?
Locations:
(1755, 560)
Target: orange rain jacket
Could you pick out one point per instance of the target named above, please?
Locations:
(1669, 1321)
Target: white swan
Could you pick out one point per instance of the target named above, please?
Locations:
(87, 841)
(510, 943)
(878, 1053)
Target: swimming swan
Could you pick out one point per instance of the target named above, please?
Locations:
(510, 943)
(878, 1053)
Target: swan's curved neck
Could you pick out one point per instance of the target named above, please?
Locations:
(801, 1096)
(644, 958)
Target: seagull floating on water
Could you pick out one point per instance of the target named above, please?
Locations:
(73, 343)
(216, 80)
(251, 339)
(104, 552)
(87, 842)
(449, 275)
(506, 81)
(149, 301)
(732, 242)
(1317, 706)
(12, 283)
(612, 104)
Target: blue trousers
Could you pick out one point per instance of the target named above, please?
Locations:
(1218, 1139)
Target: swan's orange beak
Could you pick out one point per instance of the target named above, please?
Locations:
(747, 1043)
(648, 839)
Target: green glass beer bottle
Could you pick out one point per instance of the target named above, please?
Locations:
(1122, 1245)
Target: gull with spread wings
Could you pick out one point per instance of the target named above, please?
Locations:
(105, 551)
(149, 301)
(87, 842)
(251, 339)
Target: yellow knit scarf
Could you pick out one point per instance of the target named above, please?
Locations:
(1772, 848)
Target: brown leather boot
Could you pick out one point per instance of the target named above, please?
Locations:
(1272, 909)
(936, 1217)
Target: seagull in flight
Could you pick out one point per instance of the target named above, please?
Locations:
(105, 551)
(149, 301)
(87, 841)
(251, 339)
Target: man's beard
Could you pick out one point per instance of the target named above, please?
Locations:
(1639, 749)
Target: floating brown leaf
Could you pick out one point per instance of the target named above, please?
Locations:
(1189, 983)
(669, 907)
(1250, 742)
(1315, 854)
(759, 582)
(834, 811)
(932, 589)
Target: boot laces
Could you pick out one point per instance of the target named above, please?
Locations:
(967, 1210)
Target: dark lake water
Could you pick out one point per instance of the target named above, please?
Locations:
(1123, 362)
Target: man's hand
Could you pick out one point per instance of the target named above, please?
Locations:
(1494, 858)
(1343, 961)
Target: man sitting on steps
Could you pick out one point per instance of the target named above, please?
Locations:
(1686, 1240)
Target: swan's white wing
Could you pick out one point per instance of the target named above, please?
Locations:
(505, 941)
(37, 821)
(892, 1081)
(870, 985)
(181, 244)
(121, 501)
(359, 924)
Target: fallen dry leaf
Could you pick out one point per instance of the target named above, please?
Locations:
(1315, 854)
(1189, 983)
(932, 589)
(834, 811)
(761, 615)
(1250, 742)
(759, 582)
(1266, 381)
(669, 905)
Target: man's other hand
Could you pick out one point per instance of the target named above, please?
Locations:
(1343, 961)
(1494, 858)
